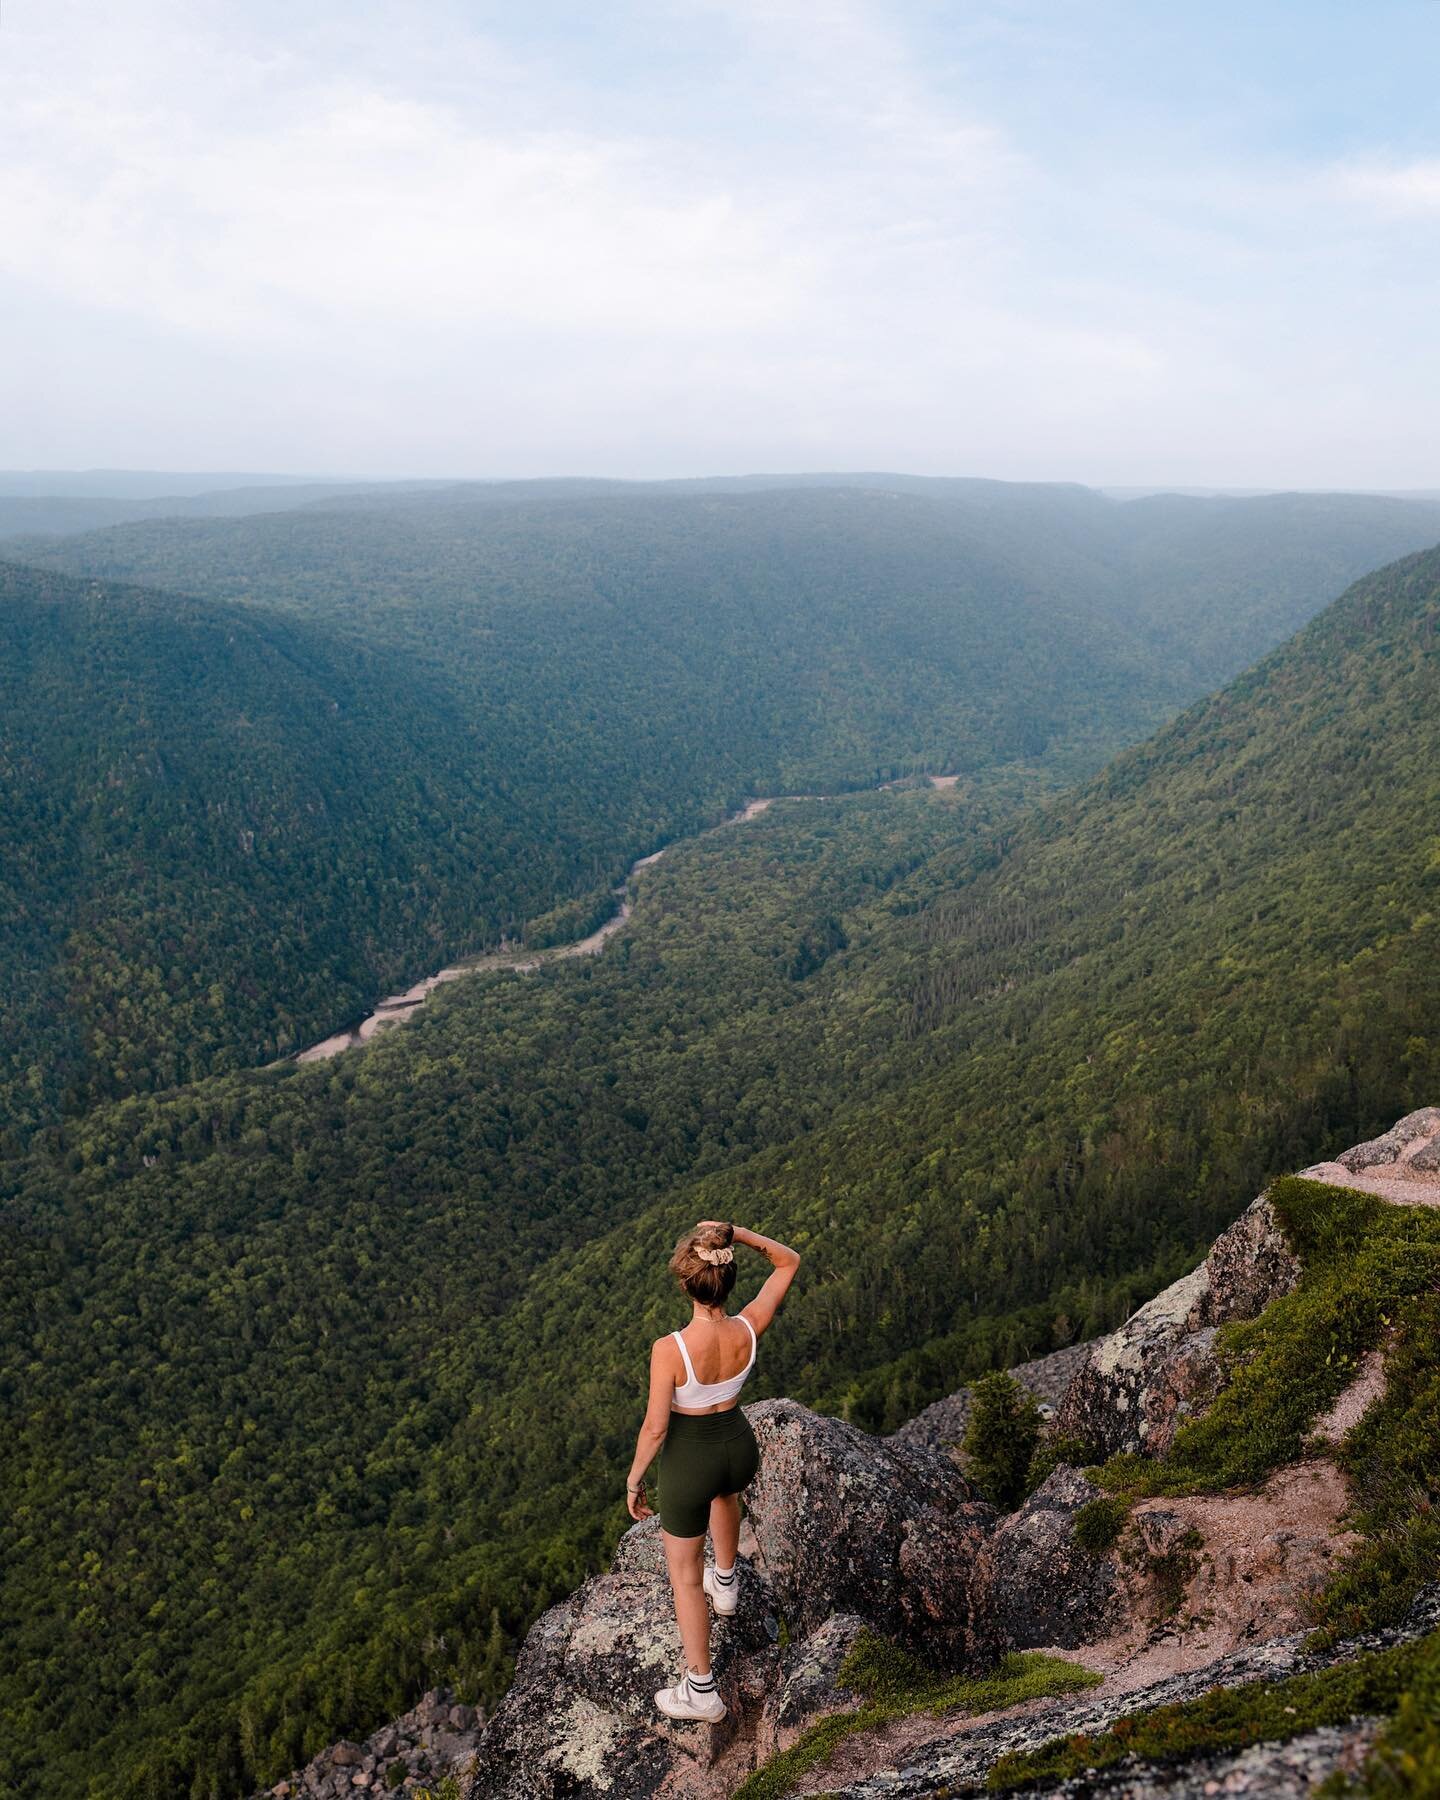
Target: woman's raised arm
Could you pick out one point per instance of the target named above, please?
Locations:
(762, 1309)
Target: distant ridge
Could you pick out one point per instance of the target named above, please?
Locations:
(149, 484)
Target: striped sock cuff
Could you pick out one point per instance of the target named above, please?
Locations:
(701, 1684)
(724, 1576)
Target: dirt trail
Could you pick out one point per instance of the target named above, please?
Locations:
(397, 1008)
(1259, 1557)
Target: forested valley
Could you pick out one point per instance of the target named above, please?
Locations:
(358, 738)
(319, 1382)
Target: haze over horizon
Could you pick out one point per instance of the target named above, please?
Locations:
(690, 235)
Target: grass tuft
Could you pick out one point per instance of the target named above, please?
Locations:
(1098, 1523)
(896, 1685)
(1231, 1718)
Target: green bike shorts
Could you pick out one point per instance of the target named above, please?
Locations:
(704, 1455)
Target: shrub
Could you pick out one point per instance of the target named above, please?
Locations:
(1001, 1437)
(1052, 1451)
(1099, 1523)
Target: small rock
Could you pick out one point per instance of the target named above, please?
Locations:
(1388, 1147)
(810, 1681)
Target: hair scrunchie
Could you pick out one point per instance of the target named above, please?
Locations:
(727, 1255)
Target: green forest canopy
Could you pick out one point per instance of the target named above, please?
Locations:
(315, 1376)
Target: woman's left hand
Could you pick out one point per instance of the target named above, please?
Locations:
(639, 1507)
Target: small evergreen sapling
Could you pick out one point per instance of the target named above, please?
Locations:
(1000, 1438)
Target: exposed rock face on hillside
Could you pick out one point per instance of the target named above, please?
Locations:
(1137, 1387)
(848, 1533)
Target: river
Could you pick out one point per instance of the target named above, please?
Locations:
(397, 1008)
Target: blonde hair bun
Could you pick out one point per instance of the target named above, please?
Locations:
(704, 1262)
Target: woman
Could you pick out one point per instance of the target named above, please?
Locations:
(709, 1453)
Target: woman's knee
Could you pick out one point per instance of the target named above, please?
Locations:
(686, 1559)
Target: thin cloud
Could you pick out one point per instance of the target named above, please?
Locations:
(700, 234)
(1404, 189)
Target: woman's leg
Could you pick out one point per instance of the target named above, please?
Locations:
(725, 1529)
(685, 1559)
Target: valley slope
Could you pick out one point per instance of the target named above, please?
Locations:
(529, 685)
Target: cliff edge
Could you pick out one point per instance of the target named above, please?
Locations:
(1223, 1578)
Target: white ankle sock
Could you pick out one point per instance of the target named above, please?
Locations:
(725, 1575)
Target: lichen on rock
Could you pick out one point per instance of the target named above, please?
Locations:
(1160, 1368)
(849, 1523)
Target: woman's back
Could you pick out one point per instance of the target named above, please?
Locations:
(718, 1348)
(717, 1356)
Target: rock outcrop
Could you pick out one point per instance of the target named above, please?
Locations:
(848, 1533)
(580, 1715)
(1034, 1585)
(1402, 1164)
(844, 1522)
(1138, 1386)
(1415, 1140)
(437, 1737)
(942, 1423)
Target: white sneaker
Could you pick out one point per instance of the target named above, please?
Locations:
(687, 1701)
(724, 1595)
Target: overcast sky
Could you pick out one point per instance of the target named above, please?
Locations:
(1116, 243)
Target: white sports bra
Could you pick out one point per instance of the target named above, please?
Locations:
(691, 1392)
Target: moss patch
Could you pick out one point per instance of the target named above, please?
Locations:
(1406, 1760)
(1171, 1572)
(896, 1685)
(1365, 1263)
(1231, 1718)
(1370, 1271)
(1099, 1522)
